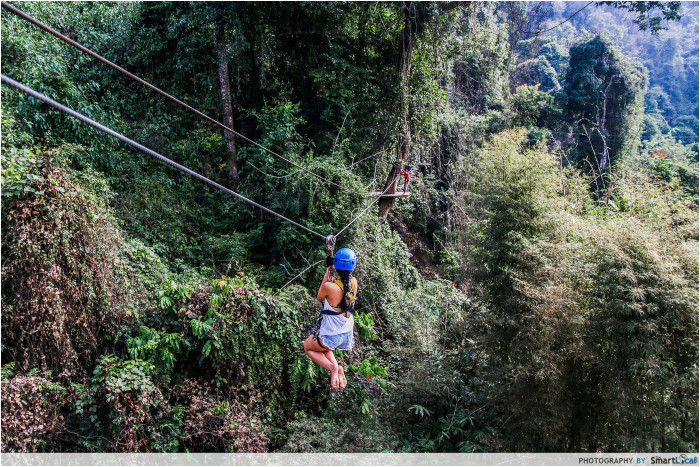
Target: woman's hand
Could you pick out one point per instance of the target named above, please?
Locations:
(327, 277)
(330, 273)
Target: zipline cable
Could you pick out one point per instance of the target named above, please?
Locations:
(368, 157)
(70, 41)
(298, 275)
(10, 82)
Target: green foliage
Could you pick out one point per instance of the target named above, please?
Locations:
(501, 307)
(658, 197)
(157, 348)
(512, 187)
(8, 370)
(384, 262)
(672, 67)
(369, 369)
(304, 373)
(604, 92)
(427, 96)
(228, 325)
(509, 245)
(124, 404)
(541, 62)
(651, 15)
(365, 325)
(124, 376)
(480, 79)
(639, 295)
(172, 296)
(563, 298)
(443, 398)
(321, 434)
(532, 108)
(20, 173)
(63, 72)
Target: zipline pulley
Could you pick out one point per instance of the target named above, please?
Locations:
(330, 244)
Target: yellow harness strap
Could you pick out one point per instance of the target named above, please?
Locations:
(350, 294)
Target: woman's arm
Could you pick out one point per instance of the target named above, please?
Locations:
(323, 288)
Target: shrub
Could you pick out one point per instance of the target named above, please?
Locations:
(214, 423)
(231, 333)
(637, 364)
(64, 277)
(385, 274)
(32, 418)
(315, 434)
(123, 410)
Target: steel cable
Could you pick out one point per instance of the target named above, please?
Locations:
(10, 82)
(298, 275)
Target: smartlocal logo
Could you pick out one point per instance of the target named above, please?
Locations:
(683, 459)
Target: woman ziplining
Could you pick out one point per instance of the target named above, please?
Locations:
(334, 327)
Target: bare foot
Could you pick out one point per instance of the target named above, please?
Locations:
(341, 377)
(335, 380)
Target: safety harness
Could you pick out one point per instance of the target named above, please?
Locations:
(348, 301)
(348, 296)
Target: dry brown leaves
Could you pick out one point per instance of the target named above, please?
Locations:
(217, 425)
(58, 278)
(136, 418)
(31, 414)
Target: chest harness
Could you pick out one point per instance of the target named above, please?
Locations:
(348, 303)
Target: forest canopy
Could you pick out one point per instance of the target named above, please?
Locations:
(536, 292)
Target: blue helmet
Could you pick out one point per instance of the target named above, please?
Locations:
(345, 260)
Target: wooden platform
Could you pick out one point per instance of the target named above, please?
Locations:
(399, 194)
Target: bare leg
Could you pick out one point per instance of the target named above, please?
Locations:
(341, 377)
(331, 358)
(320, 355)
(342, 382)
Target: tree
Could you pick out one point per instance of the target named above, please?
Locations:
(604, 102)
(415, 18)
(225, 92)
(646, 17)
(541, 61)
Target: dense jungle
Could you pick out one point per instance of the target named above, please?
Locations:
(536, 292)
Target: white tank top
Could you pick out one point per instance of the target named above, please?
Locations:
(332, 325)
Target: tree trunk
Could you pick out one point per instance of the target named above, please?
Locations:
(404, 140)
(604, 157)
(416, 16)
(227, 107)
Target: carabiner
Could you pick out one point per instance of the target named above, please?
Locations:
(330, 243)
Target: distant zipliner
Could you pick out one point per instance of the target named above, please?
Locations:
(335, 324)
